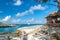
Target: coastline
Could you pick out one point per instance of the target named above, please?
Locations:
(30, 32)
(31, 29)
(30, 26)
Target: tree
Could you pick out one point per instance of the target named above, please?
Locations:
(39, 1)
(45, 1)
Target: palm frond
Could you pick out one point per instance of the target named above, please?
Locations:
(44, 1)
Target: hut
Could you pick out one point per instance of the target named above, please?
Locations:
(53, 19)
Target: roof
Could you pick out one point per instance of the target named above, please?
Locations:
(52, 15)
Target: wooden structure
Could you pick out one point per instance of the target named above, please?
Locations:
(53, 19)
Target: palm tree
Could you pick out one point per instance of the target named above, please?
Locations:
(45, 1)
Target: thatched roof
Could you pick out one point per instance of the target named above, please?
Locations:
(52, 15)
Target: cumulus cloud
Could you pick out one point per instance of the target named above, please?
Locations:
(38, 22)
(22, 14)
(30, 20)
(33, 21)
(31, 10)
(6, 18)
(15, 20)
(38, 7)
(26, 21)
(18, 2)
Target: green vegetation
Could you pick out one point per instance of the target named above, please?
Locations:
(1, 23)
(44, 1)
(18, 32)
(1, 33)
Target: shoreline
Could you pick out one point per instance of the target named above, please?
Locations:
(30, 26)
(31, 29)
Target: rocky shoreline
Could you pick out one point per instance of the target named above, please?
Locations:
(37, 32)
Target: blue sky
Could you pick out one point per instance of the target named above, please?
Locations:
(25, 11)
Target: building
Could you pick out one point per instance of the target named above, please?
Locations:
(53, 19)
(53, 22)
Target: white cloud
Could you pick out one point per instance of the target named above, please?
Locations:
(38, 7)
(6, 18)
(38, 22)
(34, 21)
(30, 20)
(18, 2)
(31, 10)
(22, 14)
(15, 20)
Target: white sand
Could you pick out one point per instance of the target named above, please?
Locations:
(30, 28)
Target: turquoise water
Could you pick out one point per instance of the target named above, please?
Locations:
(11, 29)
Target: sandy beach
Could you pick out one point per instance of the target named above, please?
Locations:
(33, 32)
(30, 28)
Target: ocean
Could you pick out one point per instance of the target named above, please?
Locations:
(12, 29)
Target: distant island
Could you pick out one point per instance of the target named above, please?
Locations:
(3, 25)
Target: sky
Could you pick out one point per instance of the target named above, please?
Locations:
(25, 11)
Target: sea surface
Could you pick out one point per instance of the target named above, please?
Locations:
(12, 29)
